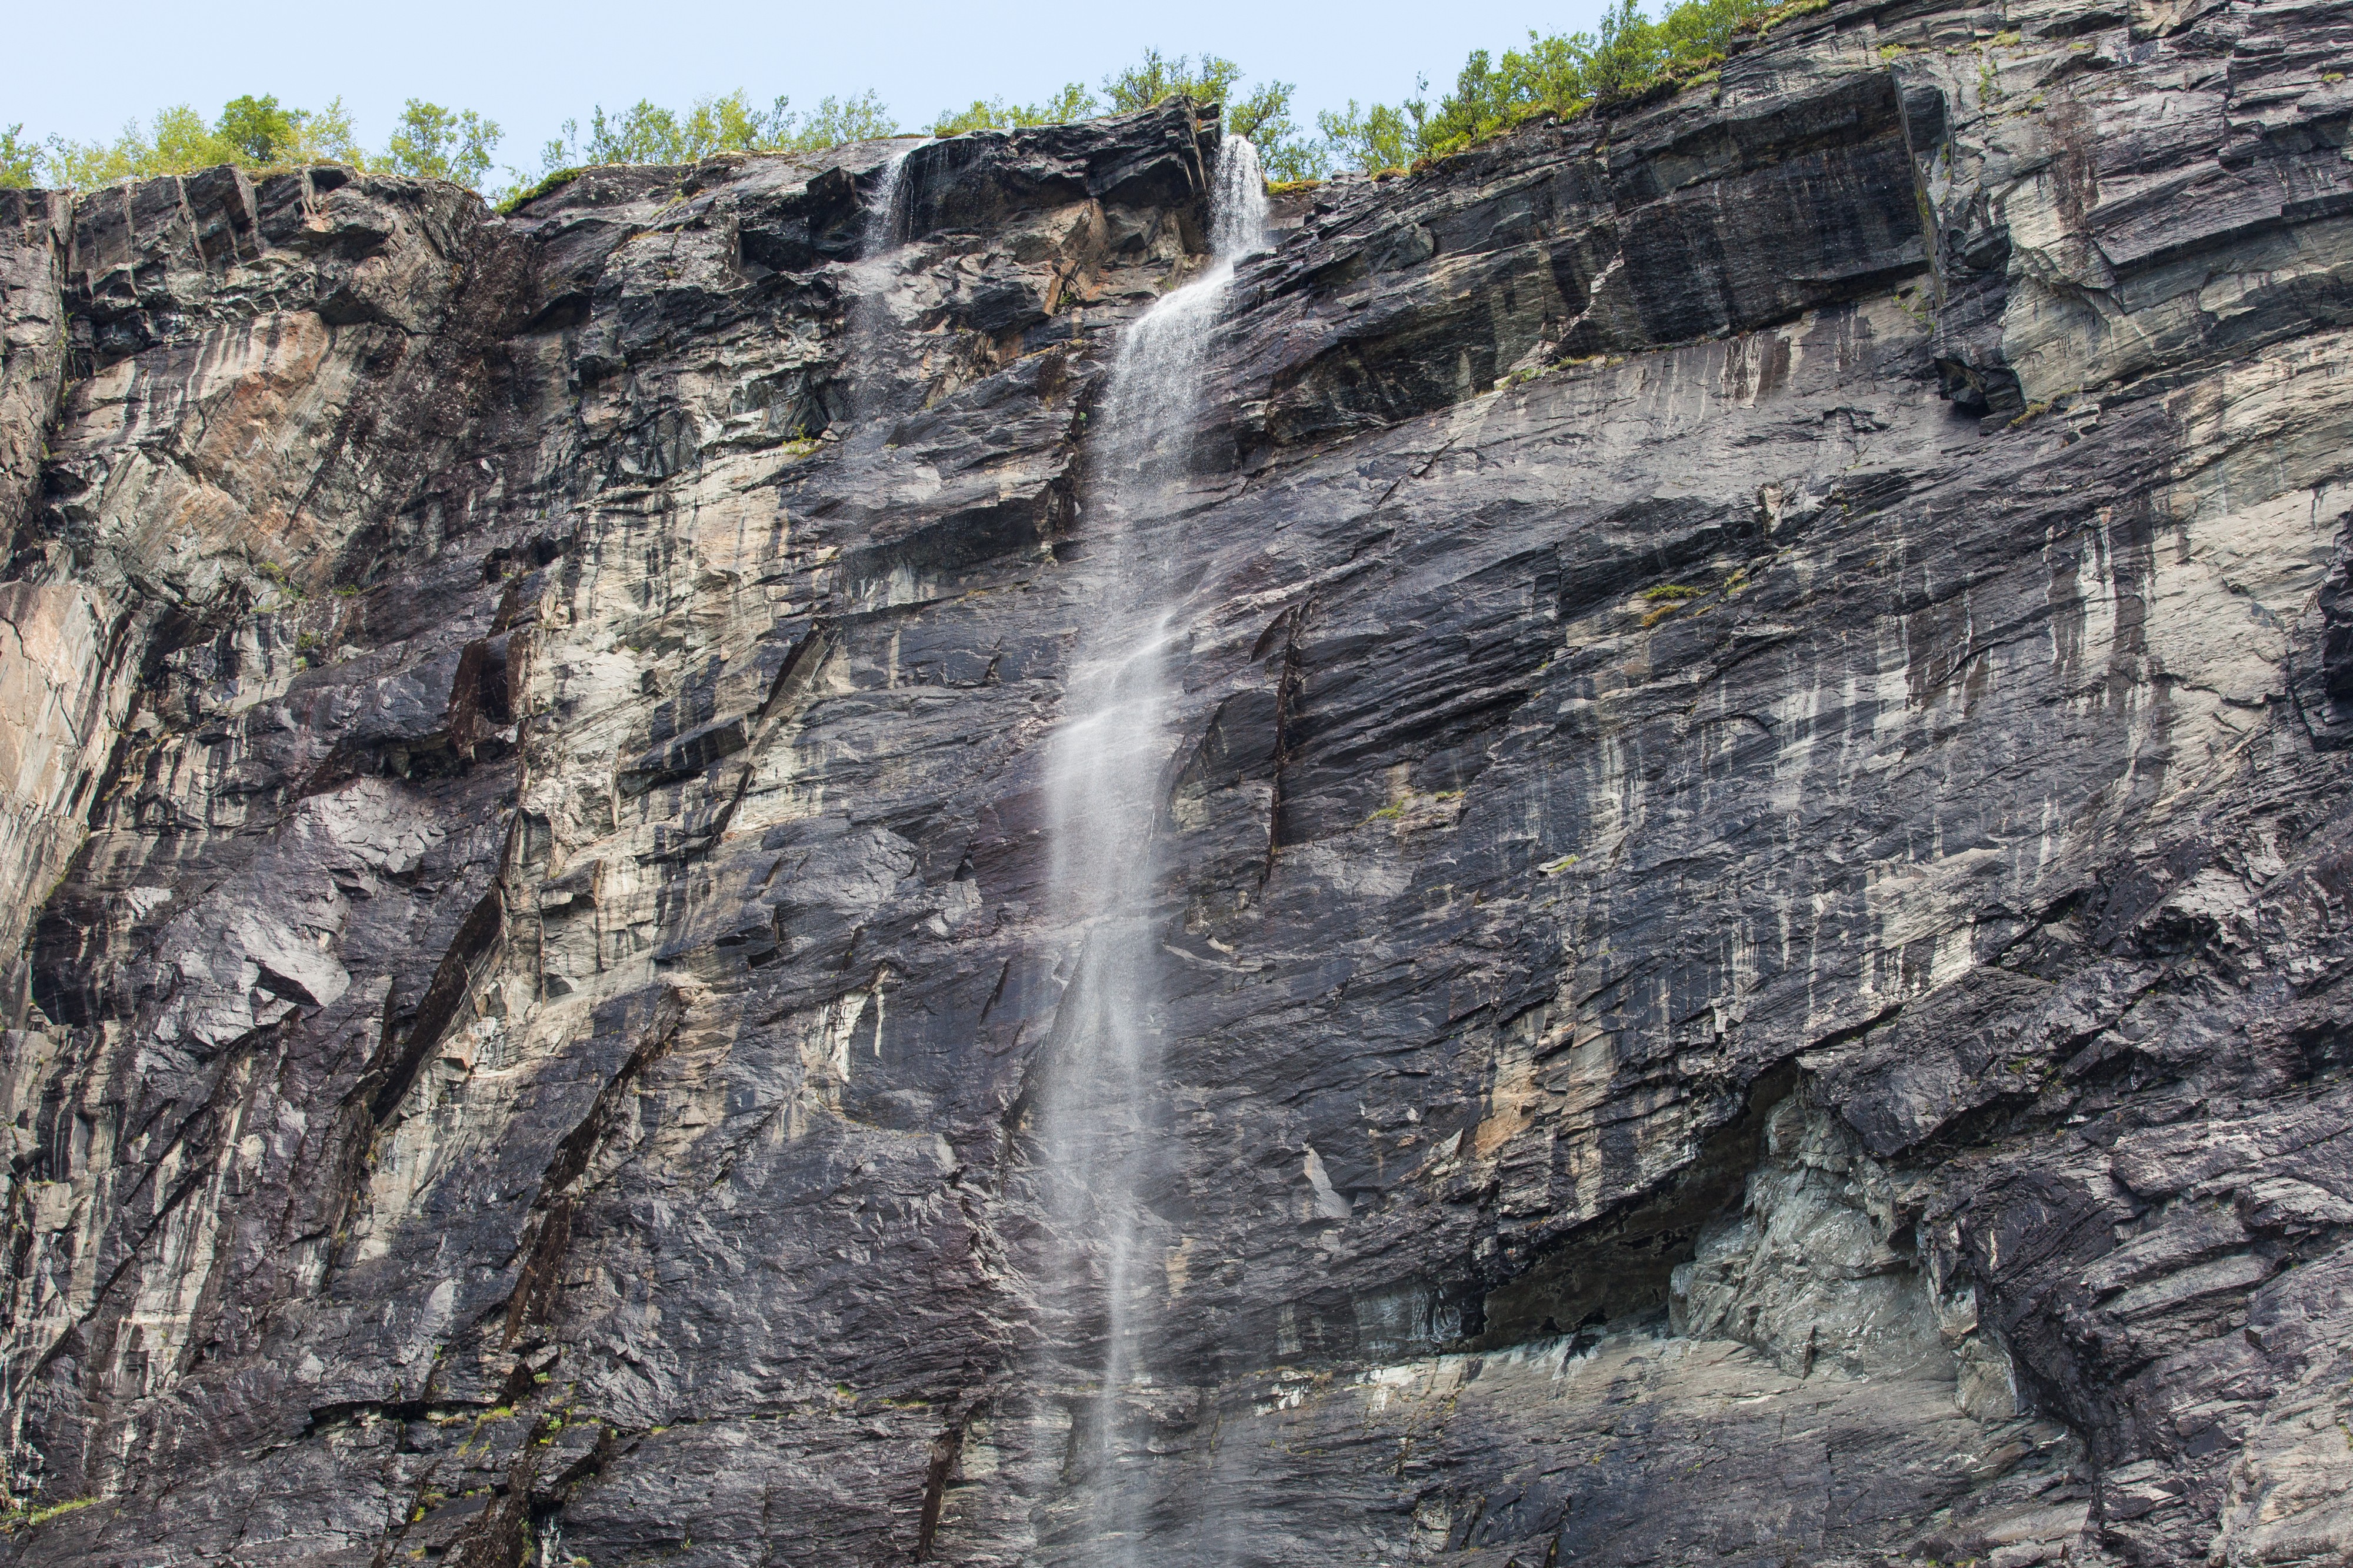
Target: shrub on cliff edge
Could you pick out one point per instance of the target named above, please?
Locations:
(1072, 104)
(646, 132)
(1262, 115)
(1558, 73)
(17, 158)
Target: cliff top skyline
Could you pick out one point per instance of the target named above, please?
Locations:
(531, 68)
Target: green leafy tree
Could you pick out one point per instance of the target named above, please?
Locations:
(432, 142)
(1156, 78)
(1556, 73)
(1263, 115)
(326, 136)
(175, 142)
(18, 159)
(731, 124)
(646, 132)
(1697, 28)
(837, 121)
(1072, 104)
(1381, 137)
(256, 130)
(643, 133)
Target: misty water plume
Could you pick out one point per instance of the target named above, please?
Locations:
(1100, 1108)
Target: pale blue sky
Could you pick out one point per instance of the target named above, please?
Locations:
(528, 67)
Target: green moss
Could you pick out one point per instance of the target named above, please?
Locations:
(27, 1517)
(1396, 810)
(559, 177)
(1291, 187)
(1665, 592)
(1789, 12)
(1522, 377)
(275, 574)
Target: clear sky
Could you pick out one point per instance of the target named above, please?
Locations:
(531, 66)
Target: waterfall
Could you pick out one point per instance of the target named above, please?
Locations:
(870, 311)
(1101, 1102)
(882, 228)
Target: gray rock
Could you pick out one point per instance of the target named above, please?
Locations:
(1752, 922)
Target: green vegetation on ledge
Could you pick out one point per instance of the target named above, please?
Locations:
(19, 1519)
(646, 132)
(1263, 114)
(1563, 74)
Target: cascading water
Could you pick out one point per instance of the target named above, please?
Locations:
(882, 213)
(874, 270)
(1099, 1104)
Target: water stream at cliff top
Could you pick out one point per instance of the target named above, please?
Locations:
(877, 270)
(1099, 1110)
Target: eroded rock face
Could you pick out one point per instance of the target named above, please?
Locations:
(1754, 923)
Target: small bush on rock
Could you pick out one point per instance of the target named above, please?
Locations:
(1560, 74)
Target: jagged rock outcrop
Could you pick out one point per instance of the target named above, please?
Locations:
(1755, 929)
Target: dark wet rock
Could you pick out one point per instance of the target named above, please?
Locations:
(1755, 837)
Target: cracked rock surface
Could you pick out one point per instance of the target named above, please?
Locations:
(1752, 922)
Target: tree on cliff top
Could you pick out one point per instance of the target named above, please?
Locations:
(1556, 73)
(17, 157)
(252, 132)
(1263, 115)
(437, 143)
(646, 132)
(258, 132)
(1074, 102)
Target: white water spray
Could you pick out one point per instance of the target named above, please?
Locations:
(1101, 1106)
(882, 228)
(875, 270)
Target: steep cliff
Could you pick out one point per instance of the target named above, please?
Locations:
(1750, 908)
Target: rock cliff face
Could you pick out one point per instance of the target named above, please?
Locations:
(1754, 922)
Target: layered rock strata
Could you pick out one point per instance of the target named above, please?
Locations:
(1754, 900)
